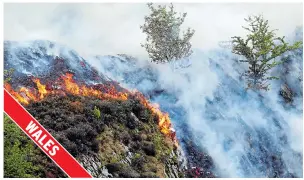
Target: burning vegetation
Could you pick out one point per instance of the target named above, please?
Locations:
(128, 135)
(66, 85)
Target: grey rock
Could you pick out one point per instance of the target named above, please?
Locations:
(134, 117)
(286, 93)
(93, 165)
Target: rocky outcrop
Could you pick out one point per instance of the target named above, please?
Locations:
(286, 93)
(173, 168)
(93, 165)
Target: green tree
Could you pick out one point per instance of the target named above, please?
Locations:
(163, 42)
(261, 50)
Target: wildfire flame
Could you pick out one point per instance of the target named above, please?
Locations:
(25, 96)
(41, 88)
(164, 122)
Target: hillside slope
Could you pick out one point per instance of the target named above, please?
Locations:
(111, 131)
(223, 129)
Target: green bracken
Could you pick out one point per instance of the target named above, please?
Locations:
(96, 112)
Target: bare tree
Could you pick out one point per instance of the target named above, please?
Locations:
(163, 42)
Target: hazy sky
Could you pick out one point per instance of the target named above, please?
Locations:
(114, 28)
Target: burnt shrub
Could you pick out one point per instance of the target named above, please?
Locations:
(131, 124)
(125, 137)
(137, 107)
(74, 133)
(127, 105)
(145, 116)
(108, 119)
(119, 124)
(149, 148)
(67, 144)
(83, 136)
(60, 126)
(113, 167)
(75, 130)
(136, 137)
(139, 161)
(107, 107)
(94, 145)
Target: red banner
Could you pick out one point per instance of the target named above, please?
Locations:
(43, 138)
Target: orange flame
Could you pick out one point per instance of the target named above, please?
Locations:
(164, 122)
(70, 85)
(25, 95)
(28, 93)
(18, 96)
(41, 88)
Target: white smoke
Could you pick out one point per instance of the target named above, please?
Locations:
(237, 122)
(111, 28)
